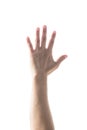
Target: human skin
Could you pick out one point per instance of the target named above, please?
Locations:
(42, 64)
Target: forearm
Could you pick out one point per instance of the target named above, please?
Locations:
(40, 116)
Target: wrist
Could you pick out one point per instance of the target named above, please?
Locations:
(41, 78)
(40, 74)
(40, 85)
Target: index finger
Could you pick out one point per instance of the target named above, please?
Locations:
(52, 40)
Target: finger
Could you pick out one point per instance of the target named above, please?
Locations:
(38, 37)
(30, 44)
(51, 42)
(63, 57)
(43, 39)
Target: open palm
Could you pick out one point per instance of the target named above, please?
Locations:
(41, 57)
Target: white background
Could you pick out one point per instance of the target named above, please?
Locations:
(67, 86)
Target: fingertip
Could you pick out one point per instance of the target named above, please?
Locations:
(37, 29)
(65, 56)
(28, 40)
(44, 29)
(61, 58)
(54, 34)
(44, 26)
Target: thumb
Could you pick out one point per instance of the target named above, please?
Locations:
(60, 59)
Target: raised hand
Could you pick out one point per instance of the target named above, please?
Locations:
(41, 57)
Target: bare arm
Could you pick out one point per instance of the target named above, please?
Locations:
(42, 65)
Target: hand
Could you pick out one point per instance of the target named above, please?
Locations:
(41, 57)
